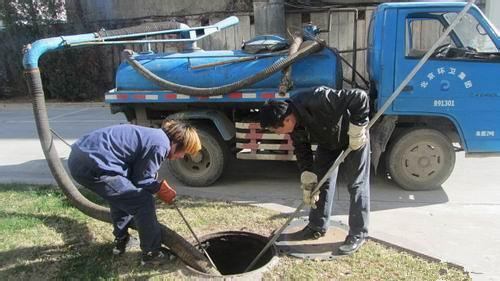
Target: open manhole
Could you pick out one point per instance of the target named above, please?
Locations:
(233, 251)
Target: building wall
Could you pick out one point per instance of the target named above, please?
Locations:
(103, 10)
(493, 12)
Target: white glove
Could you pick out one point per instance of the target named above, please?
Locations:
(308, 182)
(357, 136)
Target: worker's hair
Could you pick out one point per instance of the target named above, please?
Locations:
(182, 134)
(273, 113)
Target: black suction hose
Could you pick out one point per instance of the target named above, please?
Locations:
(312, 46)
(181, 247)
(34, 81)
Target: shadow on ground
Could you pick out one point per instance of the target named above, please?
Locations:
(78, 257)
(278, 182)
(270, 182)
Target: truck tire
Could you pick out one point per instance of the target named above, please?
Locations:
(207, 166)
(420, 159)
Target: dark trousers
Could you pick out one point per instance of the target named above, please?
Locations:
(128, 204)
(357, 173)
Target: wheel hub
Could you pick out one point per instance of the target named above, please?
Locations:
(423, 160)
(196, 158)
(197, 163)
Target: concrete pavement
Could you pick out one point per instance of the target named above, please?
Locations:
(458, 223)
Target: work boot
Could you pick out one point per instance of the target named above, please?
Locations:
(351, 244)
(307, 233)
(121, 244)
(156, 258)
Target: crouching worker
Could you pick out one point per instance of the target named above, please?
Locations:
(120, 164)
(335, 119)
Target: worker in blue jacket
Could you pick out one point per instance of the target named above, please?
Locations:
(335, 120)
(120, 163)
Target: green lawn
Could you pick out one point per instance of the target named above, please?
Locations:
(43, 237)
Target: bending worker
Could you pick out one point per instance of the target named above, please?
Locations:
(335, 119)
(120, 164)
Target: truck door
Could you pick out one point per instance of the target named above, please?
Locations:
(459, 81)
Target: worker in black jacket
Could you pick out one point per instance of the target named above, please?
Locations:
(335, 119)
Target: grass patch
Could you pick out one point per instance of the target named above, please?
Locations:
(43, 237)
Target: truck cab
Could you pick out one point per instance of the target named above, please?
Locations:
(452, 103)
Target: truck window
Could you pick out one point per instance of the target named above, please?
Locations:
(468, 41)
(471, 34)
(422, 33)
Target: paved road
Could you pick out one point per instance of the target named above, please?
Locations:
(458, 223)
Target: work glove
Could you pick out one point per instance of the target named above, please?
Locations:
(308, 182)
(357, 136)
(166, 193)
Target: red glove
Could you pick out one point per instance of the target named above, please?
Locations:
(166, 193)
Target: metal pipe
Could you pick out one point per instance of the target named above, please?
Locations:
(386, 105)
(354, 70)
(354, 46)
(194, 235)
(223, 62)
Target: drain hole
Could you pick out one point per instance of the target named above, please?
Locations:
(232, 252)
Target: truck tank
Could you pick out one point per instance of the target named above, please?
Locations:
(206, 69)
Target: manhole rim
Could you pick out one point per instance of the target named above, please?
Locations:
(266, 267)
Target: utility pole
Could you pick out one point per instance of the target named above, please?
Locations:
(269, 17)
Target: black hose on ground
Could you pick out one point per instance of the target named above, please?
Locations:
(182, 248)
(312, 46)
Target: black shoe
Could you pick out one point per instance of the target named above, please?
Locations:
(351, 244)
(121, 244)
(157, 258)
(307, 233)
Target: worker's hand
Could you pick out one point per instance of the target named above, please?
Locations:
(357, 136)
(308, 182)
(166, 193)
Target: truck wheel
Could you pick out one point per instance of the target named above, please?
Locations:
(421, 159)
(205, 167)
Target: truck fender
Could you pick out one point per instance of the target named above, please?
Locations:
(222, 123)
(380, 134)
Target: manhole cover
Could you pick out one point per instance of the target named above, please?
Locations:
(324, 248)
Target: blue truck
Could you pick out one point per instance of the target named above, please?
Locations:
(452, 104)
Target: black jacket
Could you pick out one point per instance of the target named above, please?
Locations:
(323, 116)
